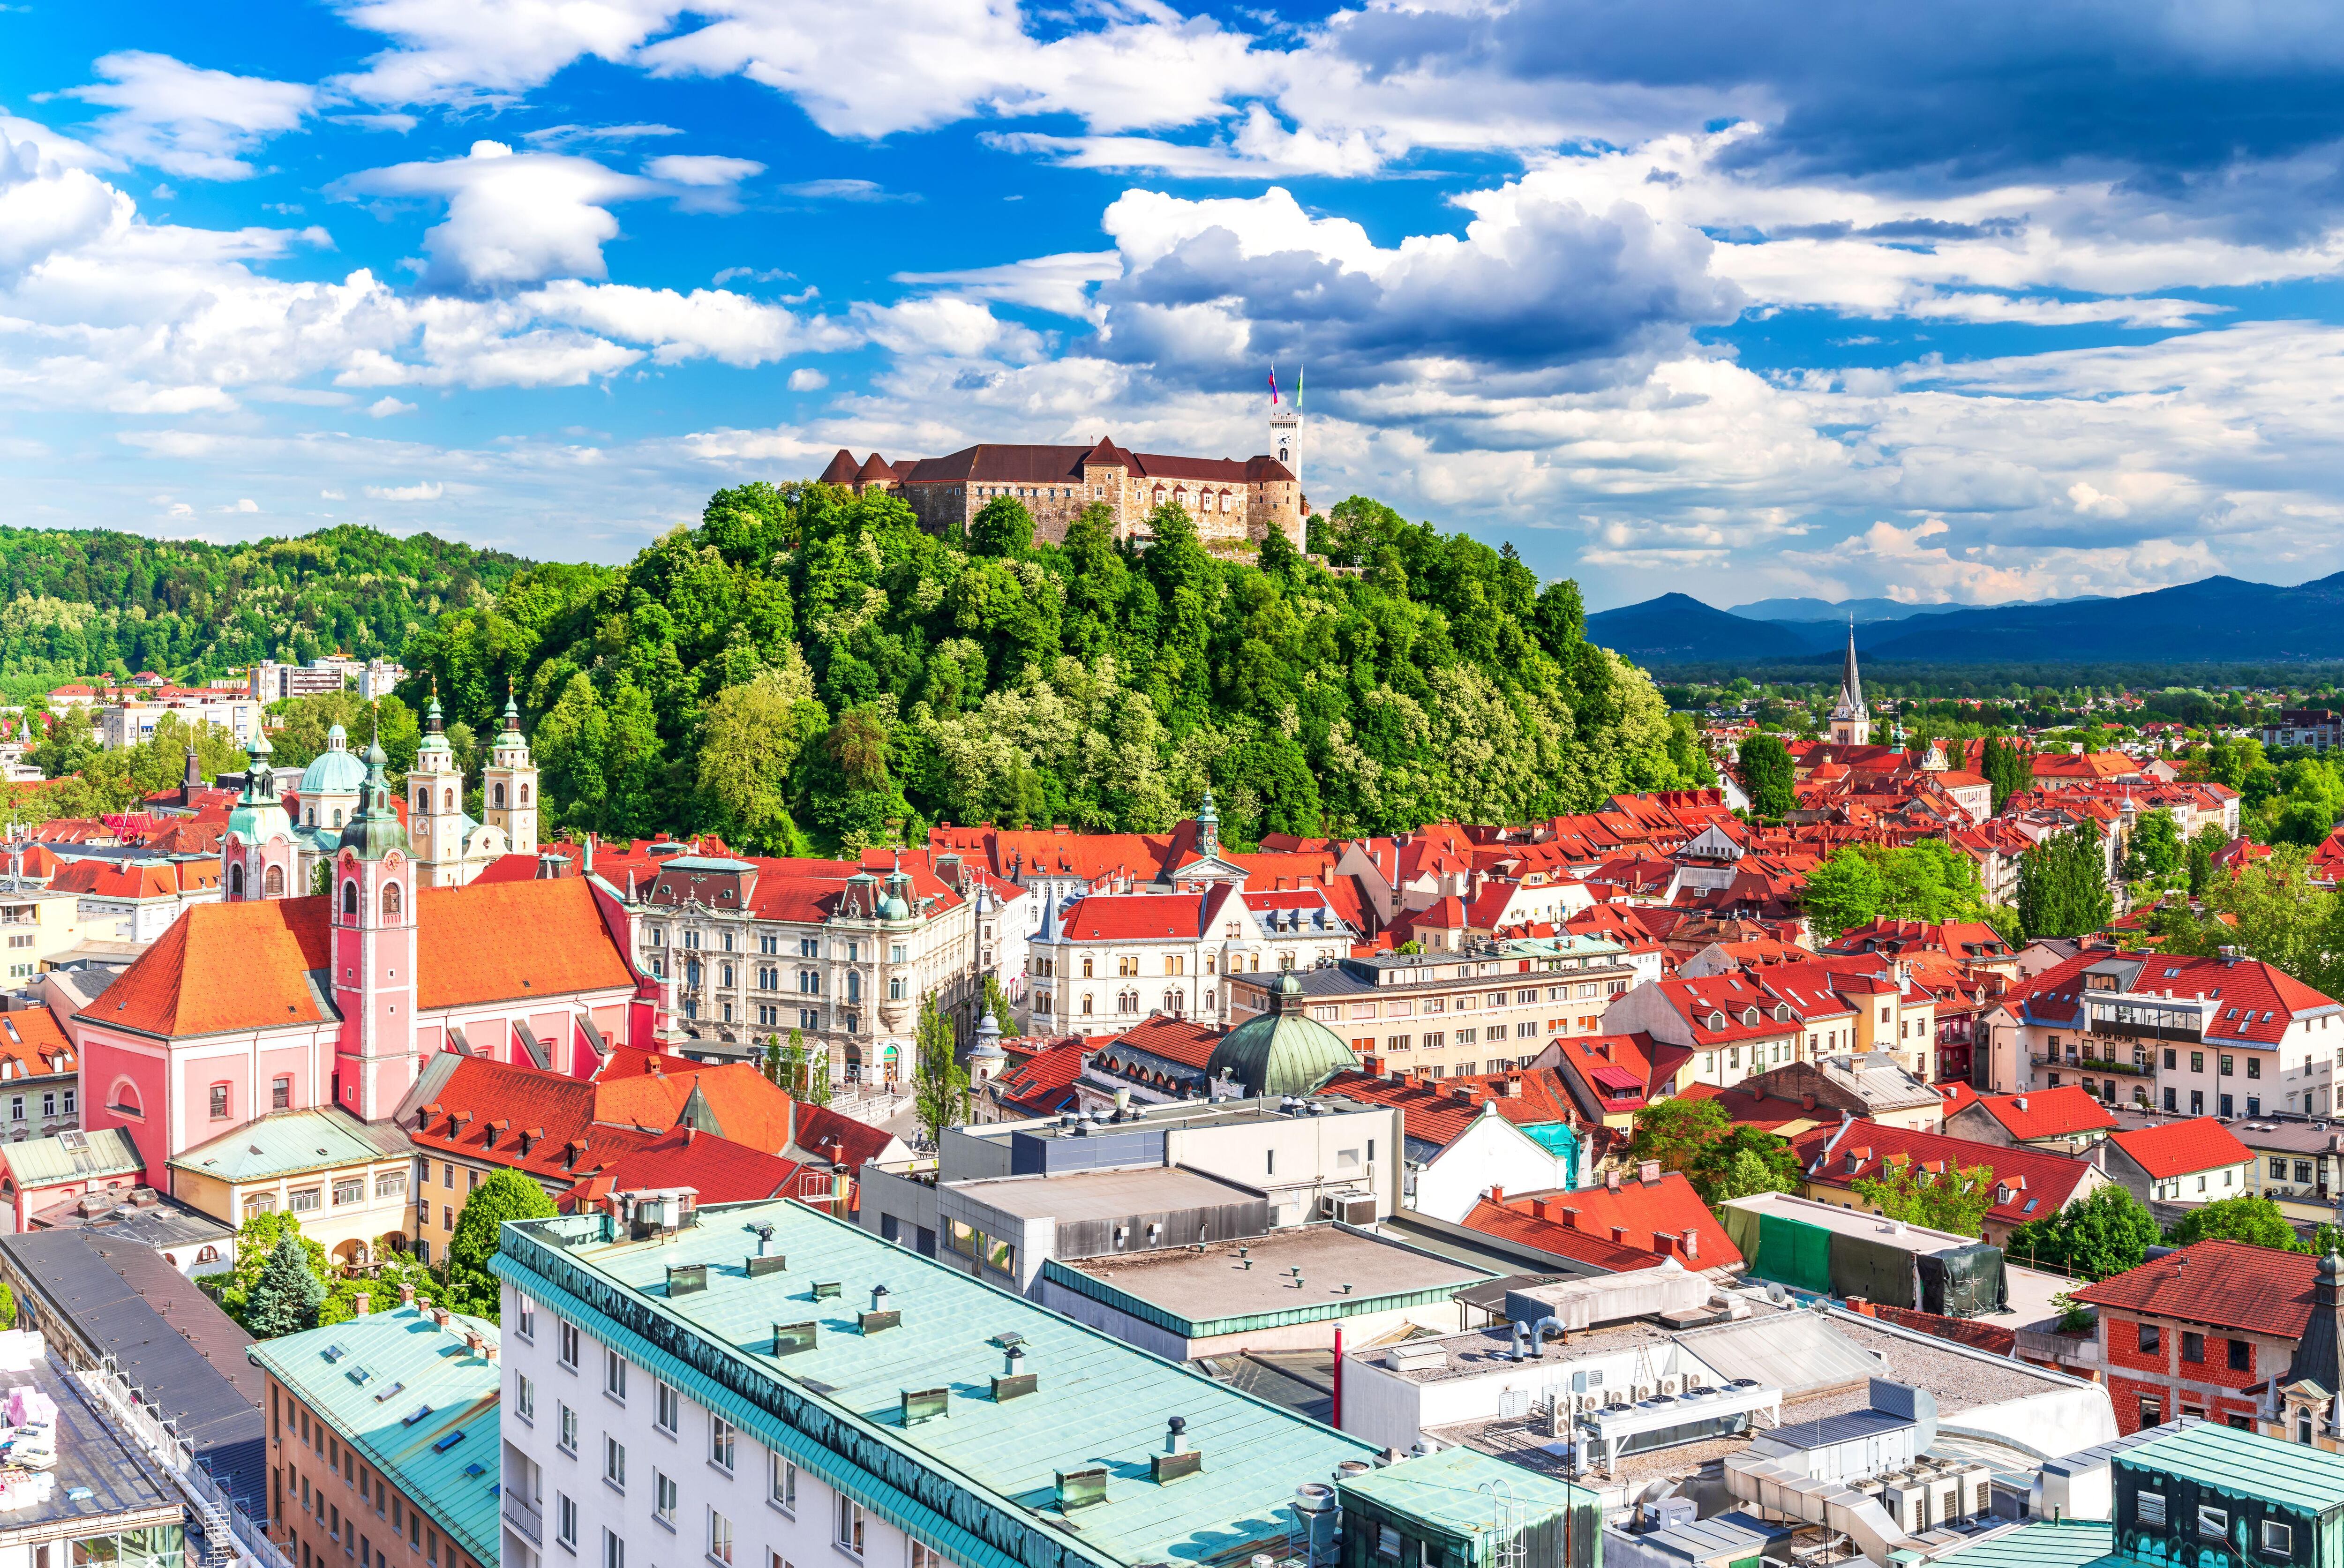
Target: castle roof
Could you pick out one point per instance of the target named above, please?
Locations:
(1008, 463)
(842, 468)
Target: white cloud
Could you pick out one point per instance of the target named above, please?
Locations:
(555, 137)
(429, 490)
(384, 407)
(192, 122)
(512, 220)
(705, 323)
(1059, 283)
(808, 380)
(471, 52)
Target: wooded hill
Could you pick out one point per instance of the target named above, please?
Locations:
(808, 667)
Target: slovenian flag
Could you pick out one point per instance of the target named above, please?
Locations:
(1273, 383)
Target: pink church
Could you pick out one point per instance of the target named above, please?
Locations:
(267, 1003)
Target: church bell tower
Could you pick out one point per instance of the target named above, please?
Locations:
(1851, 721)
(509, 786)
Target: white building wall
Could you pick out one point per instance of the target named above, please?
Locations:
(1493, 1152)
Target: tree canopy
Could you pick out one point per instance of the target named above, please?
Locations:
(2104, 1234)
(807, 666)
(2063, 886)
(1955, 1199)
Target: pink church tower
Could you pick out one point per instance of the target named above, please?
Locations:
(256, 853)
(374, 953)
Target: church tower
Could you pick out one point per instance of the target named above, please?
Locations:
(256, 853)
(509, 786)
(374, 894)
(1851, 721)
(435, 805)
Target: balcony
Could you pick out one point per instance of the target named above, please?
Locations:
(524, 1517)
(2080, 1064)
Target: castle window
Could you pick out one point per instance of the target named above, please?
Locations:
(390, 900)
(350, 898)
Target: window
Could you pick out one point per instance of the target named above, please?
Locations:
(785, 1485)
(849, 1524)
(568, 1429)
(720, 1442)
(926, 1556)
(525, 1322)
(614, 1462)
(569, 1348)
(305, 1201)
(349, 1189)
(2214, 1523)
(2150, 1339)
(2242, 1356)
(720, 1537)
(2278, 1537)
(219, 1098)
(665, 1408)
(614, 1375)
(2197, 1061)
(2193, 1346)
(280, 1094)
(391, 1183)
(2148, 1507)
(2152, 1414)
(614, 1552)
(663, 1497)
(524, 1397)
(2228, 1066)
(2278, 1169)
(565, 1520)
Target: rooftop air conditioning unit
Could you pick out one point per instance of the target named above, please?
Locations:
(1671, 1384)
(1356, 1210)
(1908, 1504)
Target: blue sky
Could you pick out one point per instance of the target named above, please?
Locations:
(2001, 302)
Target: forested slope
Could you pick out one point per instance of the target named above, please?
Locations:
(76, 601)
(807, 666)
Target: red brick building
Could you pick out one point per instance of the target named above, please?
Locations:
(2202, 1331)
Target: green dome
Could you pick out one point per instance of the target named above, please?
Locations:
(335, 771)
(1282, 1051)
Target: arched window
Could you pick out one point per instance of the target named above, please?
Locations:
(350, 898)
(272, 883)
(500, 795)
(338, 816)
(390, 900)
(235, 882)
(449, 799)
(313, 816)
(125, 1098)
(208, 1255)
(524, 794)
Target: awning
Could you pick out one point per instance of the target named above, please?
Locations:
(1619, 1079)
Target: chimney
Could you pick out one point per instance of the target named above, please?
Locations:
(407, 1295)
(1611, 1179)
(1648, 1172)
(472, 1342)
(362, 1303)
(1498, 1196)
(1692, 1240)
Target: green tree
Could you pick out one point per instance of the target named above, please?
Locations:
(505, 1195)
(996, 1002)
(7, 1308)
(1768, 775)
(2155, 847)
(1001, 526)
(1741, 1161)
(940, 1091)
(287, 1297)
(2063, 888)
(2007, 767)
(2275, 912)
(2098, 1236)
(1955, 1199)
(1675, 1132)
(2254, 1220)
(751, 736)
(1844, 892)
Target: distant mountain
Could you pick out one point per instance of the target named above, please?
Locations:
(1677, 629)
(2219, 619)
(1825, 609)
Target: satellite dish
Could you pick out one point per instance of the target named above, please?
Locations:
(1777, 1294)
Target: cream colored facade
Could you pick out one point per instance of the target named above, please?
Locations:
(38, 925)
(345, 1208)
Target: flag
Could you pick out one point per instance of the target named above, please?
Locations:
(1300, 371)
(1273, 384)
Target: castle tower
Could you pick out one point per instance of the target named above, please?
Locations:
(374, 893)
(1851, 721)
(256, 852)
(509, 786)
(435, 805)
(1286, 430)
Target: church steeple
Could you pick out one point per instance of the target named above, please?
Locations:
(1851, 721)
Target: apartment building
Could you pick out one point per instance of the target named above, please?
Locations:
(1492, 1007)
(369, 678)
(132, 720)
(1107, 960)
(344, 1180)
(382, 1439)
(37, 922)
(843, 951)
(643, 1423)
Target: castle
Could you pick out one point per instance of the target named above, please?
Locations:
(1231, 502)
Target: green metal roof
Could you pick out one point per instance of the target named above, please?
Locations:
(1443, 1490)
(2247, 1463)
(73, 1156)
(977, 1483)
(2046, 1544)
(286, 1143)
(367, 1376)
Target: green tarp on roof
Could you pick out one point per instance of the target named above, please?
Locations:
(1796, 1253)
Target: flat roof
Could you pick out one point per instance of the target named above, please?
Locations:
(978, 1484)
(1452, 1489)
(2288, 1134)
(1855, 1221)
(91, 1460)
(1172, 1114)
(1227, 1285)
(2038, 1543)
(1099, 1194)
(169, 1340)
(1960, 1378)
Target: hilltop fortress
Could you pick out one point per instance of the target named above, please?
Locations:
(1231, 501)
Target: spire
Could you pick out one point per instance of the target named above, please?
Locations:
(1850, 685)
(375, 830)
(1208, 827)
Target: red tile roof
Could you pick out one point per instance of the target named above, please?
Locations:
(2032, 1182)
(1133, 917)
(1044, 1084)
(826, 1134)
(720, 1169)
(2182, 1147)
(246, 966)
(1436, 1111)
(1182, 1040)
(748, 1106)
(1767, 1113)
(2044, 1113)
(1635, 1063)
(2222, 1284)
(1645, 1219)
